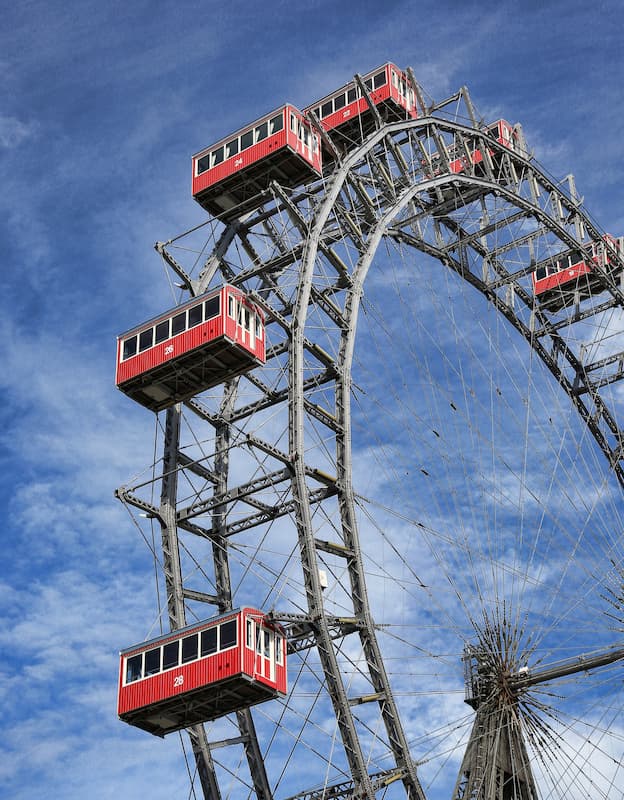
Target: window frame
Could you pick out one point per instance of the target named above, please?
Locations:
(261, 131)
(203, 635)
(181, 315)
(167, 323)
(124, 355)
(155, 669)
(247, 136)
(327, 108)
(266, 644)
(137, 658)
(185, 658)
(199, 170)
(379, 76)
(196, 311)
(217, 156)
(215, 301)
(232, 148)
(169, 645)
(147, 332)
(222, 625)
(276, 124)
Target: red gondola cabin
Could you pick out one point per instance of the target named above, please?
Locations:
(230, 176)
(572, 277)
(191, 348)
(347, 112)
(503, 132)
(202, 672)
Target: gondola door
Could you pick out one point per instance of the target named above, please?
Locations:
(245, 325)
(265, 653)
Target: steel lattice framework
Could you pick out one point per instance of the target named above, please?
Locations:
(273, 453)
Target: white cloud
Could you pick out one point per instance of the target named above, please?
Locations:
(13, 132)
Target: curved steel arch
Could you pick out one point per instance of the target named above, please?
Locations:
(567, 366)
(305, 257)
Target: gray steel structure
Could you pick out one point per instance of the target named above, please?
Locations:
(304, 255)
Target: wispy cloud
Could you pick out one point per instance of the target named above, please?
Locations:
(13, 132)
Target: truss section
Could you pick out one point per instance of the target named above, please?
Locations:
(253, 496)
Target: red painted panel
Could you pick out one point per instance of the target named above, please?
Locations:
(344, 114)
(310, 154)
(218, 329)
(238, 162)
(384, 94)
(195, 674)
(248, 656)
(169, 349)
(560, 278)
(180, 679)
(360, 105)
(504, 136)
(281, 140)
(118, 362)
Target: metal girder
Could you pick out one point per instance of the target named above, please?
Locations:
(301, 629)
(232, 495)
(347, 790)
(581, 663)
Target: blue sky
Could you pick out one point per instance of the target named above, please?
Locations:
(103, 105)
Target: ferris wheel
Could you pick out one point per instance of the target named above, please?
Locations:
(388, 491)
